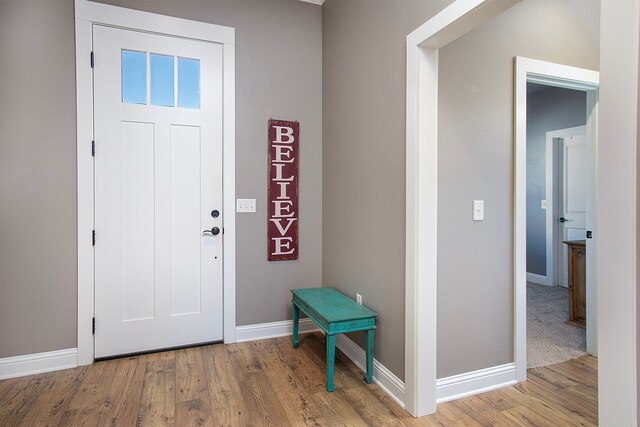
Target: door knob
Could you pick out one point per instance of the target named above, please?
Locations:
(563, 219)
(214, 231)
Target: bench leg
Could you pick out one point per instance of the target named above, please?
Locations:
(369, 345)
(331, 354)
(296, 320)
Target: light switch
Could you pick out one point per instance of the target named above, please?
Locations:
(245, 205)
(478, 210)
(543, 204)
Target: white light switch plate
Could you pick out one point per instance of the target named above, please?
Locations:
(478, 210)
(245, 205)
(543, 204)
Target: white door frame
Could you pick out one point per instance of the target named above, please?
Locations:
(552, 190)
(87, 14)
(550, 74)
(423, 45)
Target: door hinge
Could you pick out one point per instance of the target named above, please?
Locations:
(93, 148)
(91, 59)
(589, 234)
(93, 326)
(93, 237)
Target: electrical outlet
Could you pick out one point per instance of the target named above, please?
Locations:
(359, 299)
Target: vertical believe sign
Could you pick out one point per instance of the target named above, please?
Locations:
(282, 227)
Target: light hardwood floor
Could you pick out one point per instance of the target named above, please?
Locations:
(269, 383)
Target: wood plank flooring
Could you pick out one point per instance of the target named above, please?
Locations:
(268, 383)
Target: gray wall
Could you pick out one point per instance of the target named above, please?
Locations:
(364, 156)
(278, 74)
(364, 148)
(547, 110)
(38, 264)
(475, 259)
(363, 184)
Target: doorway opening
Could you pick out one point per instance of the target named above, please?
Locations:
(567, 216)
(556, 213)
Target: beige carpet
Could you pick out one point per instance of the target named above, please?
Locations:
(549, 339)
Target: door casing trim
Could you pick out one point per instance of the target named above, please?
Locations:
(87, 14)
(423, 45)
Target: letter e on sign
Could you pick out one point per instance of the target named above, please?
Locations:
(282, 190)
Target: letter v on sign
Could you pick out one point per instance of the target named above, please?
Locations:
(279, 225)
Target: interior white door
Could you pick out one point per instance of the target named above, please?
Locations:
(573, 197)
(158, 181)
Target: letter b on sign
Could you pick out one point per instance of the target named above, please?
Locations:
(285, 132)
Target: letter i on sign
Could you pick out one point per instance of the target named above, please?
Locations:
(282, 190)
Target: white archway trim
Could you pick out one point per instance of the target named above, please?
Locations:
(531, 70)
(617, 221)
(88, 13)
(423, 45)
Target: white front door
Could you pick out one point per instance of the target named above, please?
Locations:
(158, 190)
(573, 196)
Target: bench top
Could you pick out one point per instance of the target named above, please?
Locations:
(332, 305)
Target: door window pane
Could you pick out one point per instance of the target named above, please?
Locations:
(134, 77)
(188, 83)
(162, 80)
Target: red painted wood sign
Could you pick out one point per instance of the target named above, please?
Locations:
(282, 190)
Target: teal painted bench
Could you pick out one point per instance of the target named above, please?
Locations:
(335, 314)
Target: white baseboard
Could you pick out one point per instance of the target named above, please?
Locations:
(383, 377)
(30, 364)
(451, 388)
(539, 279)
(263, 331)
(470, 383)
